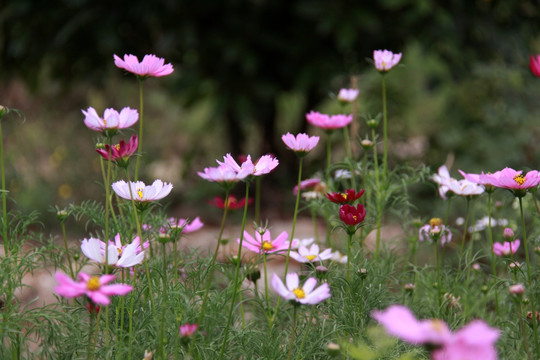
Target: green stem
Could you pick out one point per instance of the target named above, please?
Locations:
(161, 344)
(293, 331)
(7, 244)
(299, 356)
(349, 155)
(257, 199)
(328, 157)
(493, 264)
(530, 281)
(266, 293)
(141, 110)
(385, 129)
(131, 306)
(377, 197)
(349, 241)
(465, 226)
(67, 249)
(439, 284)
(236, 283)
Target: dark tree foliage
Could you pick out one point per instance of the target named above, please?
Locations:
(245, 52)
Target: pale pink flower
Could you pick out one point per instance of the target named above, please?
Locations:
(307, 184)
(142, 192)
(339, 257)
(347, 95)
(151, 65)
(464, 187)
(328, 122)
(187, 330)
(442, 178)
(480, 179)
(507, 248)
(116, 255)
(517, 289)
(94, 287)
(311, 254)
(111, 120)
(222, 174)
(306, 294)
(186, 225)
(296, 243)
(264, 243)
(301, 143)
(264, 165)
(385, 60)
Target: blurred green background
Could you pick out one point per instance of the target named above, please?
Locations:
(247, 71)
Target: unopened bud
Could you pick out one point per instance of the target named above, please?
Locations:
(410, 287)
(3, 111)
(253, 275)
(537, 250)
(61, 215)
(508, 234)
(476, 267)
(100, 146)
(333, 349)
(484, 289)
(517, 289)
(164, 238)
(372, 123)
(362, 273)
(366, 144)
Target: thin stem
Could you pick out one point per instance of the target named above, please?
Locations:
(299, 356)
(349, 155)
(236, 283)
(439, 285)
(493, 264)
(465, 226)
(378, 196)
(328, 156)
(385, 129)
(266, 294)
(161, 344)
(315, 227)
(141, 111)
(7, 244)
(529, 280)
(67, 249)
(130, 347)
(293, 332)
(257, 199)
(349, 241)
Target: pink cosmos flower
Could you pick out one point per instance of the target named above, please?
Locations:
(435, 231)
(264, 243)
(480, 179)
(306, 294)
(117, 255)
(442, 178)
(187, 330)
(301, 143)
(347, 95)
(264, 165)
(507, 248)
(112, 119)
(121, 152)
(513, 180)
(151, 65)
(458, 187)
(222, 174)
(517, 289)
(534, 64)
(328, 122)
(186, 226)
(94, 287)
(311, 254)
(385, 60)
(307, 184)
(142, 192)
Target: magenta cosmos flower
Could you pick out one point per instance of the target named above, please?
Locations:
(514, 180)
(142, 192)
(187, 330)
(311, 254)
(534, 64)
(264, 165)
(306, 294)
(301, 143)
(347, 95)
(385, 60)
(263, 244)
(116, 255)
(94, 287)
(120, 153)
(507, 248)
(328, 122)
(111, 121)
(151, 65)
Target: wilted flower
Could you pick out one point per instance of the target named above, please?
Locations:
(141, 192)
(385, 60)
(263, 243)
(328, 122)
(306, 294)
(311, 254)
(348, 197)
(435, 231)
(451, 301)
(301, 143)
(121, 152)
(347, 95)
(151, 65)
(534, 64)
(507, 248)
(112, 120)
(116, 255)
(94, 287)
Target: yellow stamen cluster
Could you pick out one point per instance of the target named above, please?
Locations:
(267, 245)
(117, 147)
(519, 179)
(311, 257)
(140, 193)
(119, 251)
(299, 293)
(93, 283)
(344, 196)
(433, 222)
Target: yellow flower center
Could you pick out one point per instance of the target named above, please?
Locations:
(299, 293)
(311, 257)
(140, 193)
(93, 283)
(117, 147)
(519, 179)
(384, 65)
(435, 222)
(119, 251)
(438, 326)
(104, 123)
(267, 245)
(355, 217)
(344, 196)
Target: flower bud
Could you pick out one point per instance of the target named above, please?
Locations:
(253, 275)
(508, 234)
(362, 273)
(333, 349)
(476, 267)
(484, 289)
(410, 287)
(366, 144)
(3, 111)
(76, 256)
(517, 289)
(372, 123)
(537, 250)
(164, 238)
(61, 215)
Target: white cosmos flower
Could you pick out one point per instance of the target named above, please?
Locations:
(125, 256)
(306, 294)
(140, 191)
(311, 254)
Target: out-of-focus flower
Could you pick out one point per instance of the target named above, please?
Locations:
(307, 185)
(120, 152)
(351, 215)
(306, 294)
(507, 248)
(451, 301)
(517, 289)
(264, 165)
(435, 231)
(116, 255)
(141, 192)
(442, 178)
(263, 244)
(480, 179)
(385, 60)
(187, 330)
(311, 254)
(483, 223)
(458, 187)
(186, 225)
(347, 95)
(111, 121)
(151, 65)
(348, 197)
(339, 257)
(222, 175)
(508, 234)
(232, 203)
(94, 287)
(301, 143)
(534, 64)
(300, 242)
(328, 122)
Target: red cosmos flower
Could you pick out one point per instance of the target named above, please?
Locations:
(232, 204)
(534, 64)
(120, 152)
(351, 215)
(348, 197)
